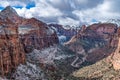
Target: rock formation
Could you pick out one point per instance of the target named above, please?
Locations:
(36, 34)
(19, 36)
(115, 57)
(94, 42)
(11, 50)
(63, 32)
(107, 68)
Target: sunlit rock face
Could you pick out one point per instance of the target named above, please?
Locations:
(116, 55)
(116, 58)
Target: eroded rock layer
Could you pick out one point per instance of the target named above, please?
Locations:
(19, 36)
(94, 42)
(11, 50)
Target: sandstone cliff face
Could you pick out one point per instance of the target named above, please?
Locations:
(115, 57)
(108, 65)
(19, 36)
(36, 34)
(105, 69)
(10, 14)
(11, 50)
(94, 42)
(32, 32)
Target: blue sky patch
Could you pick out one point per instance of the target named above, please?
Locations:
(1, 8)
(94, 20)
(18, 7)
(30, 5)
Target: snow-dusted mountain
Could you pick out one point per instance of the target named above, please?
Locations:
(64, 34)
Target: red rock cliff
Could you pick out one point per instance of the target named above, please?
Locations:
(36, 34)
(94, 42)
(18, 36)
(11, 50)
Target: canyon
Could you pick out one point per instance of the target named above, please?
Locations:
(31, 49)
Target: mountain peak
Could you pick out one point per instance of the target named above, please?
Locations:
(7, 12)
(9, 9)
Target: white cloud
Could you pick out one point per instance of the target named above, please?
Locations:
(101, 13)
(21, 11)
(42, 9)
(73, 12)
(68, 21)
(5, 3)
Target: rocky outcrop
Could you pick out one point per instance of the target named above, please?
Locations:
(64, 34)
(19, 36)
(108, 67)
(11, 50)
(54, 61)
(105, 69)
(94, 42)
(32, 32)
(10, 14)
(116, 57)
(36, 34)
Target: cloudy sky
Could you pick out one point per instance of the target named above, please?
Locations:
(72, 12)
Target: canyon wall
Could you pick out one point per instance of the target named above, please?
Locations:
(19, 36)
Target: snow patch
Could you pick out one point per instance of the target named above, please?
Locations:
(29, 72)
(25, 29)
(47, 55)
(62, 39)
(50, 31)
